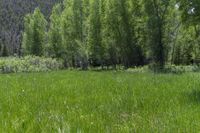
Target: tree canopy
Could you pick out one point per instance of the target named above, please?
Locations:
(110, 33)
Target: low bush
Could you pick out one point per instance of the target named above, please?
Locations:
(181, 69)
(143, 69)
(28, 64)
(175, 69)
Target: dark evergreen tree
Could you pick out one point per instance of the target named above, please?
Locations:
(5, 51)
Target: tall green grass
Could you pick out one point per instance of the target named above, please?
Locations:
(95, 102)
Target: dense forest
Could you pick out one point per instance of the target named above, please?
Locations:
(103, 32)
(12, 13)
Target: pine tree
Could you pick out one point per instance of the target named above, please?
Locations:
(54, 34)
(27, 40)
(75, 32)
(68, 33)
(95, 34)
(156, 11)
(34, 36)
(81, 13)
(39, 33)
(5, 51)
(111, 33)
(0, 49)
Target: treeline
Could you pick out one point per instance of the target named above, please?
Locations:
(12, 14)
(116, 32)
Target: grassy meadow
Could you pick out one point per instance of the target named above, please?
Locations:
(99, 102)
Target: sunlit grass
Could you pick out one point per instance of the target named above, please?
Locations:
(74, 101)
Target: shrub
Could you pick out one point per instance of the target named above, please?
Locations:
(29, 64)
(138, 69)
(181, 69)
